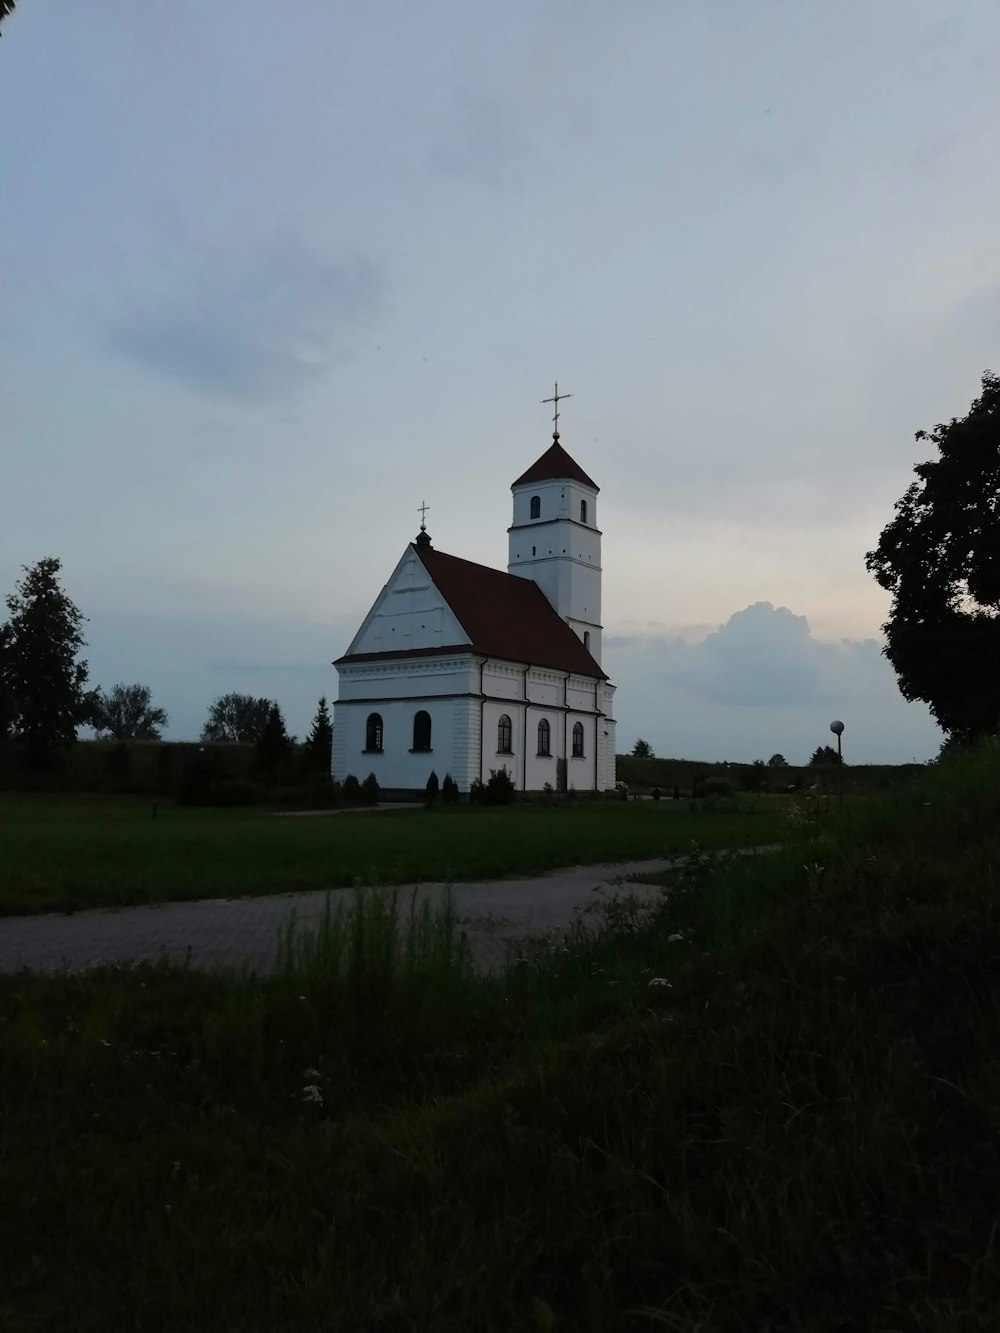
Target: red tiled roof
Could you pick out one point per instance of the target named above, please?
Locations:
(504, 616)
(555, 465)
(507, 616)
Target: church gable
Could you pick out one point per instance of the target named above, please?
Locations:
(409, 615)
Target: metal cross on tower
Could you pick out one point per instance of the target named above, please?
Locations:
(422, 509)
(556, 398)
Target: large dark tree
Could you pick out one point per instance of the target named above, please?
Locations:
(319, 742)
(236, 717)
(642, 750)
(127, 713)
(940, 559)
(273, 745)
(43, 689)
(6, 7)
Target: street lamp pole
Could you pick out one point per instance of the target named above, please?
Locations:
(838, 730)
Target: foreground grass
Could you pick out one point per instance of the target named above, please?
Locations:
(771, 1103)
(61, 853)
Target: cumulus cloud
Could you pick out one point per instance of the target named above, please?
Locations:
(251, 325)
(760, 683)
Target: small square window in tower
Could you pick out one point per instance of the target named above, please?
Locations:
(583, 511)
(536, 506)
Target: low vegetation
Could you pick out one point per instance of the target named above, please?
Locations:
(770, 1101)
(61, 853)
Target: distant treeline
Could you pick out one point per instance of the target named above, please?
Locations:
(642, 775)
(162, 768)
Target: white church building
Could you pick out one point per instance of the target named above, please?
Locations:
(462, 669)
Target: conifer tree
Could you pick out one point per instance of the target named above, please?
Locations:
(319, 743)
(43, 691)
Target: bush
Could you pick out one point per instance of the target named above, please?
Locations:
(621, 791)
(656, 793)
(717, 787)
(370, 790)
(500, 788)
(477, 792)
(449, 790)
(432, 788)
(197, 779)
(119, 761)
(352, 790)
(234, 791)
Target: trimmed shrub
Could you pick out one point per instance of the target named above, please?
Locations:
(432, 788)
(352, 790)
(370, 790)
(500, 788)
(449, 790)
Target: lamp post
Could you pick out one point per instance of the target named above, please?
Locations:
(838, 730)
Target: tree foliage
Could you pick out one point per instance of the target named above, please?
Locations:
(127, 713)
(824, 755)
(273, 745)
(319, 742)
(778, 761)
(642, 750)
(237, 718)
(6, 8)
(43, 694)
(940, 559)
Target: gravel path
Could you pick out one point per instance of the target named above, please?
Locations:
(233, 932)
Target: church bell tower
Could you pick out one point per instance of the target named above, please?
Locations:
(554, 538)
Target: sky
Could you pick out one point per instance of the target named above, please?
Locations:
(272, 277)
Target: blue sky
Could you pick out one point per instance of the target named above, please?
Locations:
(272, 278)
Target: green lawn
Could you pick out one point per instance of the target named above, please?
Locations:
(774, 1104)
(61, 853)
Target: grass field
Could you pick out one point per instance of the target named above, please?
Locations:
(772, 1104)
(61, 853)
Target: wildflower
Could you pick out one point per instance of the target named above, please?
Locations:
(659, 981)
(311, 1073)
(104, 1042)
(312, 1094)
(677, 935)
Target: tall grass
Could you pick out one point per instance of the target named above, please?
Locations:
(768, 1100)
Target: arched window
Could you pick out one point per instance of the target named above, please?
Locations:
(583, 511)
(577, 740)
(373, 733)
(504, 733)
(536, 506)
(422, 731)
(586, 639)
(543, 737)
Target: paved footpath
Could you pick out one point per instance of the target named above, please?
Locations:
(235, 932)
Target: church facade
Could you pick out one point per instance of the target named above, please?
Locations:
(462, 669)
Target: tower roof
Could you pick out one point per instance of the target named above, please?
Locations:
(555, 465)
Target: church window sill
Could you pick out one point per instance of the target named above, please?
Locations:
(376, 749)
(421, 749)
(505, 753)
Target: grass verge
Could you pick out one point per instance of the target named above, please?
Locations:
(63, 853)
(770, 1101)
